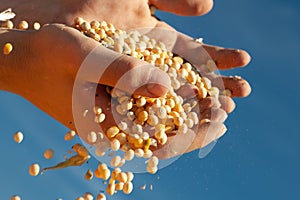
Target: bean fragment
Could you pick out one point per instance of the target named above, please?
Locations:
(143, 187)
(88, 175)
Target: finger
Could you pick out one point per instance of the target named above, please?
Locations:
(129, 74)
(237, 86)
(177, 144)
(184, 7)
(199, 54)
(224, 102)
(189, 92)
(227, 104)
(207, 133)
(214, 115)
(226, 58)
(208, 103)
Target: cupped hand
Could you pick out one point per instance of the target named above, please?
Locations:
(59, 52)
(46, 77)
(135, 14)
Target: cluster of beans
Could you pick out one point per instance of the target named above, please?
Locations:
(146, 122)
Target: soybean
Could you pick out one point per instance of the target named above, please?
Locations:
(101, 196)
(48, 154)
(128, 187)
(7, 49)
(18, 137)
(23, 25)
(15, 197)
(34, 169)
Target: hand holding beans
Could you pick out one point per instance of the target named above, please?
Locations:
(46, 71)
(45, 61)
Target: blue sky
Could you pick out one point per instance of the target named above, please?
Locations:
(257, 158)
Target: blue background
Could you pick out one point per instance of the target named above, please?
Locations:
(258, 158)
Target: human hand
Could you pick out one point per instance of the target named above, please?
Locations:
(43, 85)
(211, 118)
(137, 16)
(46, 77)
(133, 19)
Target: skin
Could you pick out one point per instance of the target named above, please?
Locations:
(36, 69)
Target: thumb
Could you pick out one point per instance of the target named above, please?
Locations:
(126, 73)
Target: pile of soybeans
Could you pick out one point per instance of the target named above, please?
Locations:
(146, 123)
